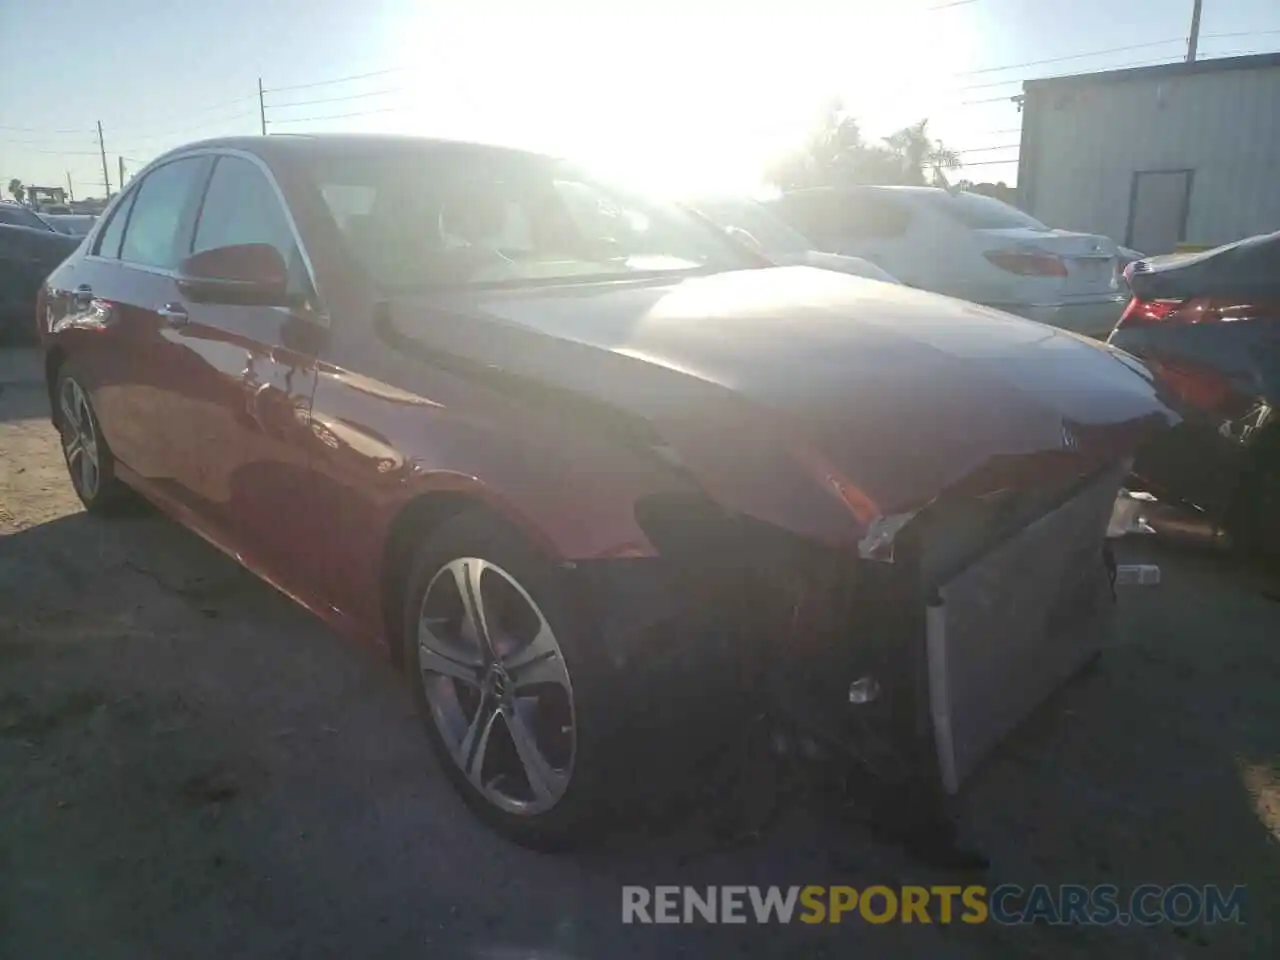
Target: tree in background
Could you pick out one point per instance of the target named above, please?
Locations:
(836, 154)
(922, 156)
(17, 189)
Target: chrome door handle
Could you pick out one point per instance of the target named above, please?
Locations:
(174, 314)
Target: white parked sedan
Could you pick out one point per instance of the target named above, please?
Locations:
(755, 224)
(969, 246)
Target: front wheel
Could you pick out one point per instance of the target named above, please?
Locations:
(506, 683)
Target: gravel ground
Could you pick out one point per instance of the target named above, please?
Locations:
(191, 766)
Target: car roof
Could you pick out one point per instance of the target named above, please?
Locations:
(293, 146)
(862, 187)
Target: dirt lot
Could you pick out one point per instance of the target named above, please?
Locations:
(190, 766)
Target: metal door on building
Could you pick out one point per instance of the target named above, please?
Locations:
(1159, 201)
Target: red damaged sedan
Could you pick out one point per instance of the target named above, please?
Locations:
(590, 471)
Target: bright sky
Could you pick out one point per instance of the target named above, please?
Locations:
(677, 94)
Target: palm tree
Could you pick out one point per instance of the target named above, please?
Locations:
(836, 154)
(921, 155)
(828, 156)
(940, 159)
(17, 189)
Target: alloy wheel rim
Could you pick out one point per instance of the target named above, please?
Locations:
(79, 439)
(497, 685)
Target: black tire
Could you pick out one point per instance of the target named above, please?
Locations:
(108, 495)
(582, 812)
(1254, 517)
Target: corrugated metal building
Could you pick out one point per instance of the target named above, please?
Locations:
(1155, 156)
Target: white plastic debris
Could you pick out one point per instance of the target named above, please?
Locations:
(1137, 575)
(1128, 514)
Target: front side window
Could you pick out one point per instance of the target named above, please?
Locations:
(239, 207)
(151, 236)
(430, 216)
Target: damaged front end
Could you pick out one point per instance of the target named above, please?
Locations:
(911, 657)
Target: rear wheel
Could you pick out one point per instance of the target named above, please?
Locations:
(505, 680)
(89, 460)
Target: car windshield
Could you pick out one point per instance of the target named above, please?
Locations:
(983, 213)
(772, 233)
(18, 216)
(451, 215)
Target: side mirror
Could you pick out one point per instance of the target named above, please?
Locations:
(248, 274)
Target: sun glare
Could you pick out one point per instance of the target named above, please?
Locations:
(698, 101)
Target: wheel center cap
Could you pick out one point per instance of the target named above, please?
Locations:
(499, 683)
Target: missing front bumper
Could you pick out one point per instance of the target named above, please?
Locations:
(948, 647)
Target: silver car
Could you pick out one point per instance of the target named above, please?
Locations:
(754, 224)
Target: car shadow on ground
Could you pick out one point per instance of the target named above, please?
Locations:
(194, 766)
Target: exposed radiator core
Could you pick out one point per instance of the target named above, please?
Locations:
(1015, 623)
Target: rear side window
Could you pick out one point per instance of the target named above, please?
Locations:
(152, 235)
(812, 212)
(109, 239)
(977, 212)
(874, 215)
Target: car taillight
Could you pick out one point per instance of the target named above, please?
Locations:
(1027, 264)
(1196, 310)
(1143, 312)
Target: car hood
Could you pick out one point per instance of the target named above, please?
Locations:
(840, 263)
(891, 394)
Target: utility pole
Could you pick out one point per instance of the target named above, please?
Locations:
(120, 171)
(1194, 40)
(102, 149)
(262, 104)
(71, 192)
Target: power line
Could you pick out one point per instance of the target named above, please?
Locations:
(202, 125)
(1003, 146)
(65, 153)
(132, 131)
(44, 130)
(352, 96)
(336, 116)
(29, 143)
(325, 83)
(1074, 56)
(1124, 49)
(1171, 58)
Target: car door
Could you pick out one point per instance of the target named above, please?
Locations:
(254, 368)
(128, 280)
